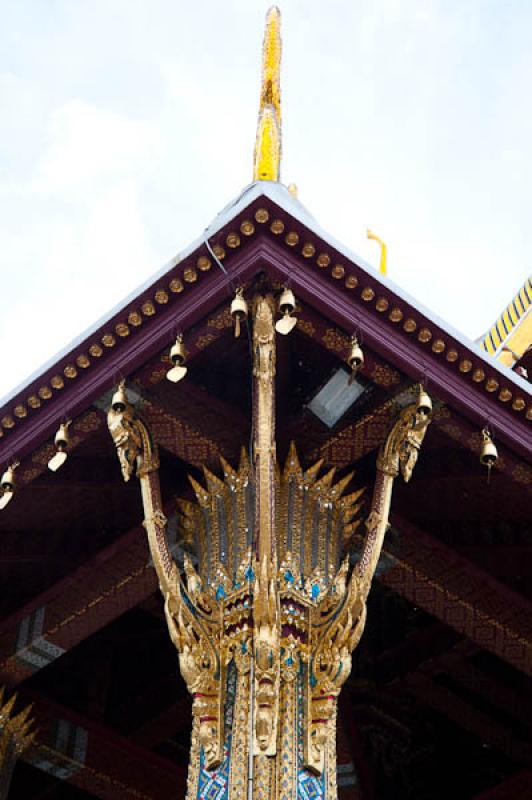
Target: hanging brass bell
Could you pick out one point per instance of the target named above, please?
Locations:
(424, 402)
(488, 452)
(177, 357)
(287, 305)
(120, 399)
(7, 485)
(177, 353)
(62, 437)
(61, 442)
(355, 359)
(239, 310)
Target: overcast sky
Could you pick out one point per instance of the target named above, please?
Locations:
(126, 125)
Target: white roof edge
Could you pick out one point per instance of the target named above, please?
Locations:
(280, 195)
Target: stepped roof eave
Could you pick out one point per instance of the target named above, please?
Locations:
(280, 197)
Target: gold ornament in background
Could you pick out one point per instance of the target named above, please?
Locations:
(382, 245)
(16, 736)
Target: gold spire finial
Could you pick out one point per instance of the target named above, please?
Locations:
(267, 157)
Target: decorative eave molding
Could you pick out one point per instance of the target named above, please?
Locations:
(264, 235)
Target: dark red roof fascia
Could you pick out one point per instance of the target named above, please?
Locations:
(355, 308)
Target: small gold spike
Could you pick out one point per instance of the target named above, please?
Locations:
(326, 481)
(243, 466)
(349, 499)
(311, 472)
(227, 468)
(348, 530)
(267, 157)
(292, 462)
(214, 484)
(21, 718)
(199, 491)
(8, 708)
(350, 513)
(343, 483)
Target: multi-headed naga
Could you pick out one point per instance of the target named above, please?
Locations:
(266, 611)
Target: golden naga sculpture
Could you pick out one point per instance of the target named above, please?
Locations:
(267, 157)
(266, 611)
(16, 736)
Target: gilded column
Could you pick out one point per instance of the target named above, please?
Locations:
(265, 648)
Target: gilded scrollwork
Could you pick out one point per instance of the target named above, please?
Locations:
(194, 624)
(401, 450)
(266, 635)
(131, 437)
(268, 606)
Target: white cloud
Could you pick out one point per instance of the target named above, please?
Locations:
(89, 145)
(94, 264)
(408, 117)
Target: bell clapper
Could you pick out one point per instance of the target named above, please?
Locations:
(239, 310)
(287, 305)
(177, 357)
(424, 402)
(61, 442)
(7, 485)
(488, 452)
(355, 359)
(120, 399)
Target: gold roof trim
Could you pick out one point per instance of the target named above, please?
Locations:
(511, 334)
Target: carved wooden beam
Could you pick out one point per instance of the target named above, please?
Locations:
(412, 653)
(111, 583)
(486, 728)
(94, 758)
(163, 726)
(338, 341)
(500, 560)
(514, 702)
(517, 787)
(455, 591)
(467, 435)
(178, 437)
(36, 463)
(363, 770)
